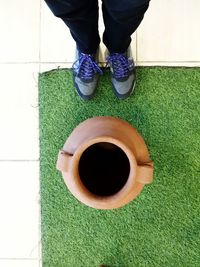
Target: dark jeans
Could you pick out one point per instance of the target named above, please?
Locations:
(121, 19)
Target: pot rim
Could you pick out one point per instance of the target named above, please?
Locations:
(79, 190)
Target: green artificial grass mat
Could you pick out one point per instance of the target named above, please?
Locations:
(161, 227)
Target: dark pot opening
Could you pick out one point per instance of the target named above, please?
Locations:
(104, 169)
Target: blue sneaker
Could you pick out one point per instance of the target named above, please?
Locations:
(123, 75)
(86, 75)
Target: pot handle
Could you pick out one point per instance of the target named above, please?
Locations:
(63, 161)
(145, 173)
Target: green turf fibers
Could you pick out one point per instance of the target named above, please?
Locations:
(162, 226)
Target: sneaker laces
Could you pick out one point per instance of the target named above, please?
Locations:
(120, 64)
(85, 67)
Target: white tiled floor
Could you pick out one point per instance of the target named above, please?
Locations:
(19, 112)
(19, 199)
(170, 33)
(19, 154)
(55, 37)
(19, 29)
(33, 40)
(168, 36)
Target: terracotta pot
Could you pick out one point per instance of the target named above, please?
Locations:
(105, 163)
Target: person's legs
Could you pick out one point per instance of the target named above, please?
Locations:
(81, 16)
(121, 19)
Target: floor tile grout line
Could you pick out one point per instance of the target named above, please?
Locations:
(165, 61)
(65, 62)
(26, 259)
(153, 62)
(39, 205)
(19, 160)
(136, 46)
(40, 35)
(19, 62)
